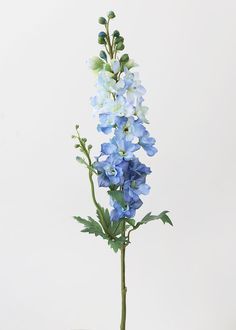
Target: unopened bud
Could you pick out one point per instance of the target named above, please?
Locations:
(77, 145)
(124, 58)
(102, 20)
(103, 55)
(120, 46)
(116, 34)
(119, 39)
(80, 160)
(84, 140)
(111, 14)
(77, 126)
(90, 146)
(101, 41)
(102, 34)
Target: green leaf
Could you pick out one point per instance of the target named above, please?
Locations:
(131, 222)
(116, 244)
(117, 227)
(130, 64)
(107, 67)
(117, 196)
(91, 226)
(112, 227)
(150, 217)
(96, 64)
(105, 216)
(81, 160)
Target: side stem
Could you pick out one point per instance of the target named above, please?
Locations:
(98, 207)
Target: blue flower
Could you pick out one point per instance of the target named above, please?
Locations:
(115, 65)
(129, 128)
(136, 170)
(107, 122)
(118, 212)
(132, 87)
(134, 185)
(120, 148)
(134, 188)
(119, 104)
(110, 172)
(147, 143)
(141, 111)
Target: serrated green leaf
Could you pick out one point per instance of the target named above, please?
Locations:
(91, 226)
(113, 227)
(105, 216)
(117, 227)
(116, 244)
(117, 196)
(150, 217)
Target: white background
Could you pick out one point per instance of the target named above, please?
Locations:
(54, 277)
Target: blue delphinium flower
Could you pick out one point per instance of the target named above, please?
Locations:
(147, 143)
(119, 105)
(129, 128)
(129, 211)
(120, 148)
(110, 171)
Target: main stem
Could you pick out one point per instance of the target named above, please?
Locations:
(123, 289)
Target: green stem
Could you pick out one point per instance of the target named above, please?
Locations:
(90, 168)
(123, 286)
(94, 197)
(109, 41)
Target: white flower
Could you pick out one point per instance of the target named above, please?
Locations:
(140, 112)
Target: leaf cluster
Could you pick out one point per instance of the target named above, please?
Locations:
(103, 227)
(117, 233)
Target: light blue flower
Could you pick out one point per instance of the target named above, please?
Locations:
(118, 107)
(119, 212)
(108, 148)
(129, 128)
(141, 111)
(147, 143)
(121, 149)
(110, 172)
(133, 87)
(134, 188)
(105, 82)
(115, 66)
(107, 122)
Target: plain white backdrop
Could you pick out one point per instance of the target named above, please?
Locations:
(54, 277)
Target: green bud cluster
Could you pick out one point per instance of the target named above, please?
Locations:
(113, 44)
(85, 150)
(117, 42)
